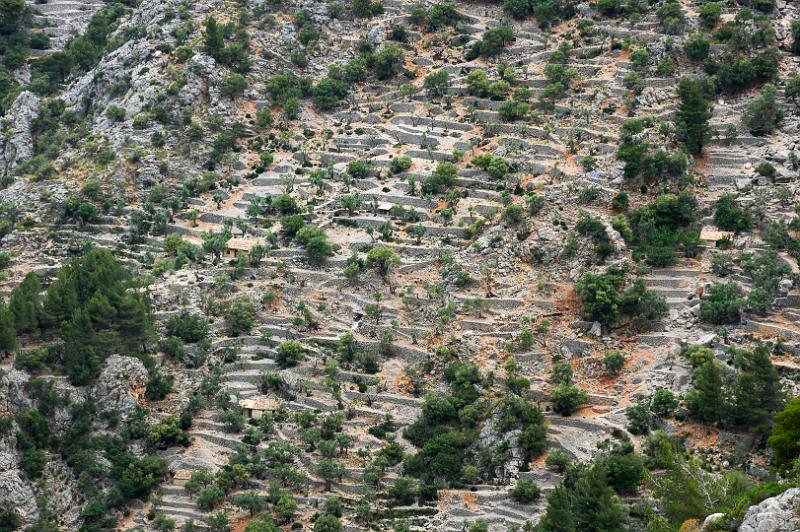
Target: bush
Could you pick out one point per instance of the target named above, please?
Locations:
(443, 177)
(400, 164)
(600, 297)
(188, 327)
(291, 109)
(441, 15)
(671, 17)
(240, 316)
(478, 83)
(512, 111)
(402, 491)
(492, 42)
(210, 498)
(697, 47)
(513, 214)
(663, 402)
(115, 113)
(289, 354)
(328, 92)
(233, 85)
(710, 13)
(318, 249)
(614, 362)
(640, 417)
(366, 8)
(729, 217)
(642, 304)
(694, 112)
(723, 304)
(566, 398)
(558, 459)
(525, 492)
(388, 62)
(763, 114)
(721, 264)
(31, 360)
(785, 438)
(796, 36)
(436, 83)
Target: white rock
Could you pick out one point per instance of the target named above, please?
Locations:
(776, 514)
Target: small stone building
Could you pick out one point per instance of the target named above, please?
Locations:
(235, 245)
(181, 477)
(255, 408)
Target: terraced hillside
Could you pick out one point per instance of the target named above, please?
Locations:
(399, 266)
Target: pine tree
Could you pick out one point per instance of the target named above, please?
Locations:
(134, 322)
(81, 357)
(785, 438)
(8, 335)
(694, 112)
(214, 39)
(61, 299)
(559, 516)
(706, 400)
(594, 503)
(25, 304)
(757, 391)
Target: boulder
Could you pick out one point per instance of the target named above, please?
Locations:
(121, 386)
(776, 514)
(15, 492)
(16, 143)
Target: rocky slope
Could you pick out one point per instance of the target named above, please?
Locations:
(166, 136)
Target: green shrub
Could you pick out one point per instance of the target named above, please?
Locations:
(233, 85)
(663, 402)
(493, 42)
(525, 491)
(723, 304)
(721, 264)
(436, 83)
(400, 164)
(795, 36)
(443, 14)
(558, 459)
(697, 47)
(240, 316)
(366, 8)
(785, 438)
(478, 83)
(642, 304)
(442, 178)
(763, 114)
(513, 111)
(328, 93)
(694, 112)
(359, 169)
(671, 17)
(115, 113)
(600, 297)
(729, 217)
(566, 398)
(613, 362)
(388, 62)
(710, 13)
(289, 354)
(291, 109)
(187, 326)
